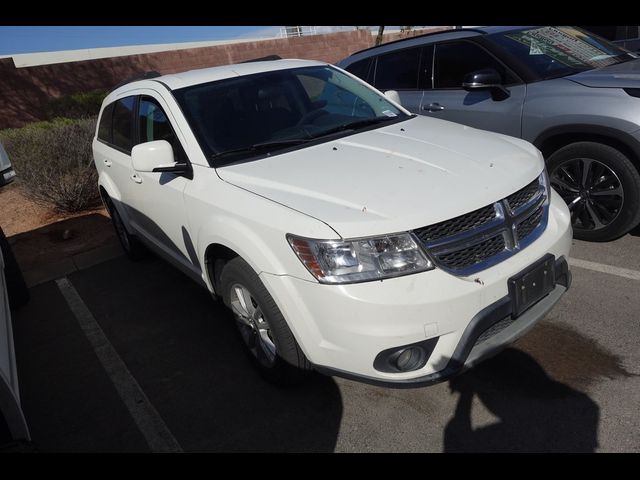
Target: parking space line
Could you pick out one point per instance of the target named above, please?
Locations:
(601, 267)
(149, 422)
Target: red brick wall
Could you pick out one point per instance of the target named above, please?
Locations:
(24, 92)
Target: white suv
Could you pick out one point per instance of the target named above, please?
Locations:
(346, 235)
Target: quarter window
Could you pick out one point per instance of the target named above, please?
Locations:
(360, 69)
(123, 123)
(104, 129)
(453, 61)
(398, 70)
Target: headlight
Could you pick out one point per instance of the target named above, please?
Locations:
(361, 259)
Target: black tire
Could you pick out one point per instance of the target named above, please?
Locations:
(604, 203)
(133, 248)
(289, 366)
(17, 290)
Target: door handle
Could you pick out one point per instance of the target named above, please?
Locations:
(433, 107)
(108, 163)
(136, 178)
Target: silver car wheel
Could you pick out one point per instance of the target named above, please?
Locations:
(253, 325)
(592, 191)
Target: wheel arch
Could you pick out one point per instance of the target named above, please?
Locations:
(215, 256)
(553, 139)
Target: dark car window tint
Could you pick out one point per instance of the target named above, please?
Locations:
(122, 123)
(360, 69)
(426, 68)
(398, 70)
(234, 118)
(453, 61)
(154, 125)
(104, 129)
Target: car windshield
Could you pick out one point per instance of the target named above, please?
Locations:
(559, 51)
(241, 117)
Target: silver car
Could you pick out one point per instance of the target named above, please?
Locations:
(7, 174)
(572, 94)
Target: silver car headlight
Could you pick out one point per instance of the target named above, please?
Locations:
(360, 259)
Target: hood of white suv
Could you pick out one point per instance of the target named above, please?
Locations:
(395, 178)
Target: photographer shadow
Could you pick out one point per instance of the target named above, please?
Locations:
(534, 412)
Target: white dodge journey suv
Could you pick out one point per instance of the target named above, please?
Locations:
(345, 234)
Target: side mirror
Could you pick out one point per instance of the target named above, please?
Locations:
(156, 156)
(487, 79)
(393, 96)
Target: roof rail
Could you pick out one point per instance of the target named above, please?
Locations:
(139, 76)
(263, 59)
(477, 30)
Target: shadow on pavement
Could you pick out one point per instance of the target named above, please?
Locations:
(534, 412)
(184, 351)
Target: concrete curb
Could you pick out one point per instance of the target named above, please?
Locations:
(66, 266)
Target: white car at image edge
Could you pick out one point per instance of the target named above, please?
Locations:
(13, 294)
(346, 235)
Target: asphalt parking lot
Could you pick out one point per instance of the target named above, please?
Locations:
(182, 381)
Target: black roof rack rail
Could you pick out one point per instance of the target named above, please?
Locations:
(477, 30)
(139, 76)
(263, 59)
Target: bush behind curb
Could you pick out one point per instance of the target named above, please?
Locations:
(54, 162)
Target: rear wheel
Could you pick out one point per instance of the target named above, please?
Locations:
(132, 247)
(601, 187)
(264, 331)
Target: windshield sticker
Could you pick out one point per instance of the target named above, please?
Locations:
(389, 113)
(535, 49)
(570, 48)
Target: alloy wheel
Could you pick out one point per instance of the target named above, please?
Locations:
(253, 325)
(592, 191)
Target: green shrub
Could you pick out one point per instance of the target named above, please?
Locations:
(9, 133)
(77, 105)
(54, 162)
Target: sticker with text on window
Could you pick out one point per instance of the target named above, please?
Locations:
(389, 113)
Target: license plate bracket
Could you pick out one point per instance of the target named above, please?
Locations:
(532, 284)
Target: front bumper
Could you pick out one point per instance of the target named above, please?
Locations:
(488, 333)
(343, 328)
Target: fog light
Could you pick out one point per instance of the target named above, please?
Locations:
(405, 358)
(409, 359)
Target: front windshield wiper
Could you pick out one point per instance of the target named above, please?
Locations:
(353, 125)
(262, 146)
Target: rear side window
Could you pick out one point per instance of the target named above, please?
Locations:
(398, 70)
(122, 126)
(361, 69)
(453, 61)
(104, 129)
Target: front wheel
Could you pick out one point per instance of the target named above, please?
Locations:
(264, 331)
(601, 187)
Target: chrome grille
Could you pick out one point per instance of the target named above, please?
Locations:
(477, 240)
(524, 195)
(466, 257)
(457, 225)
(527, 226)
